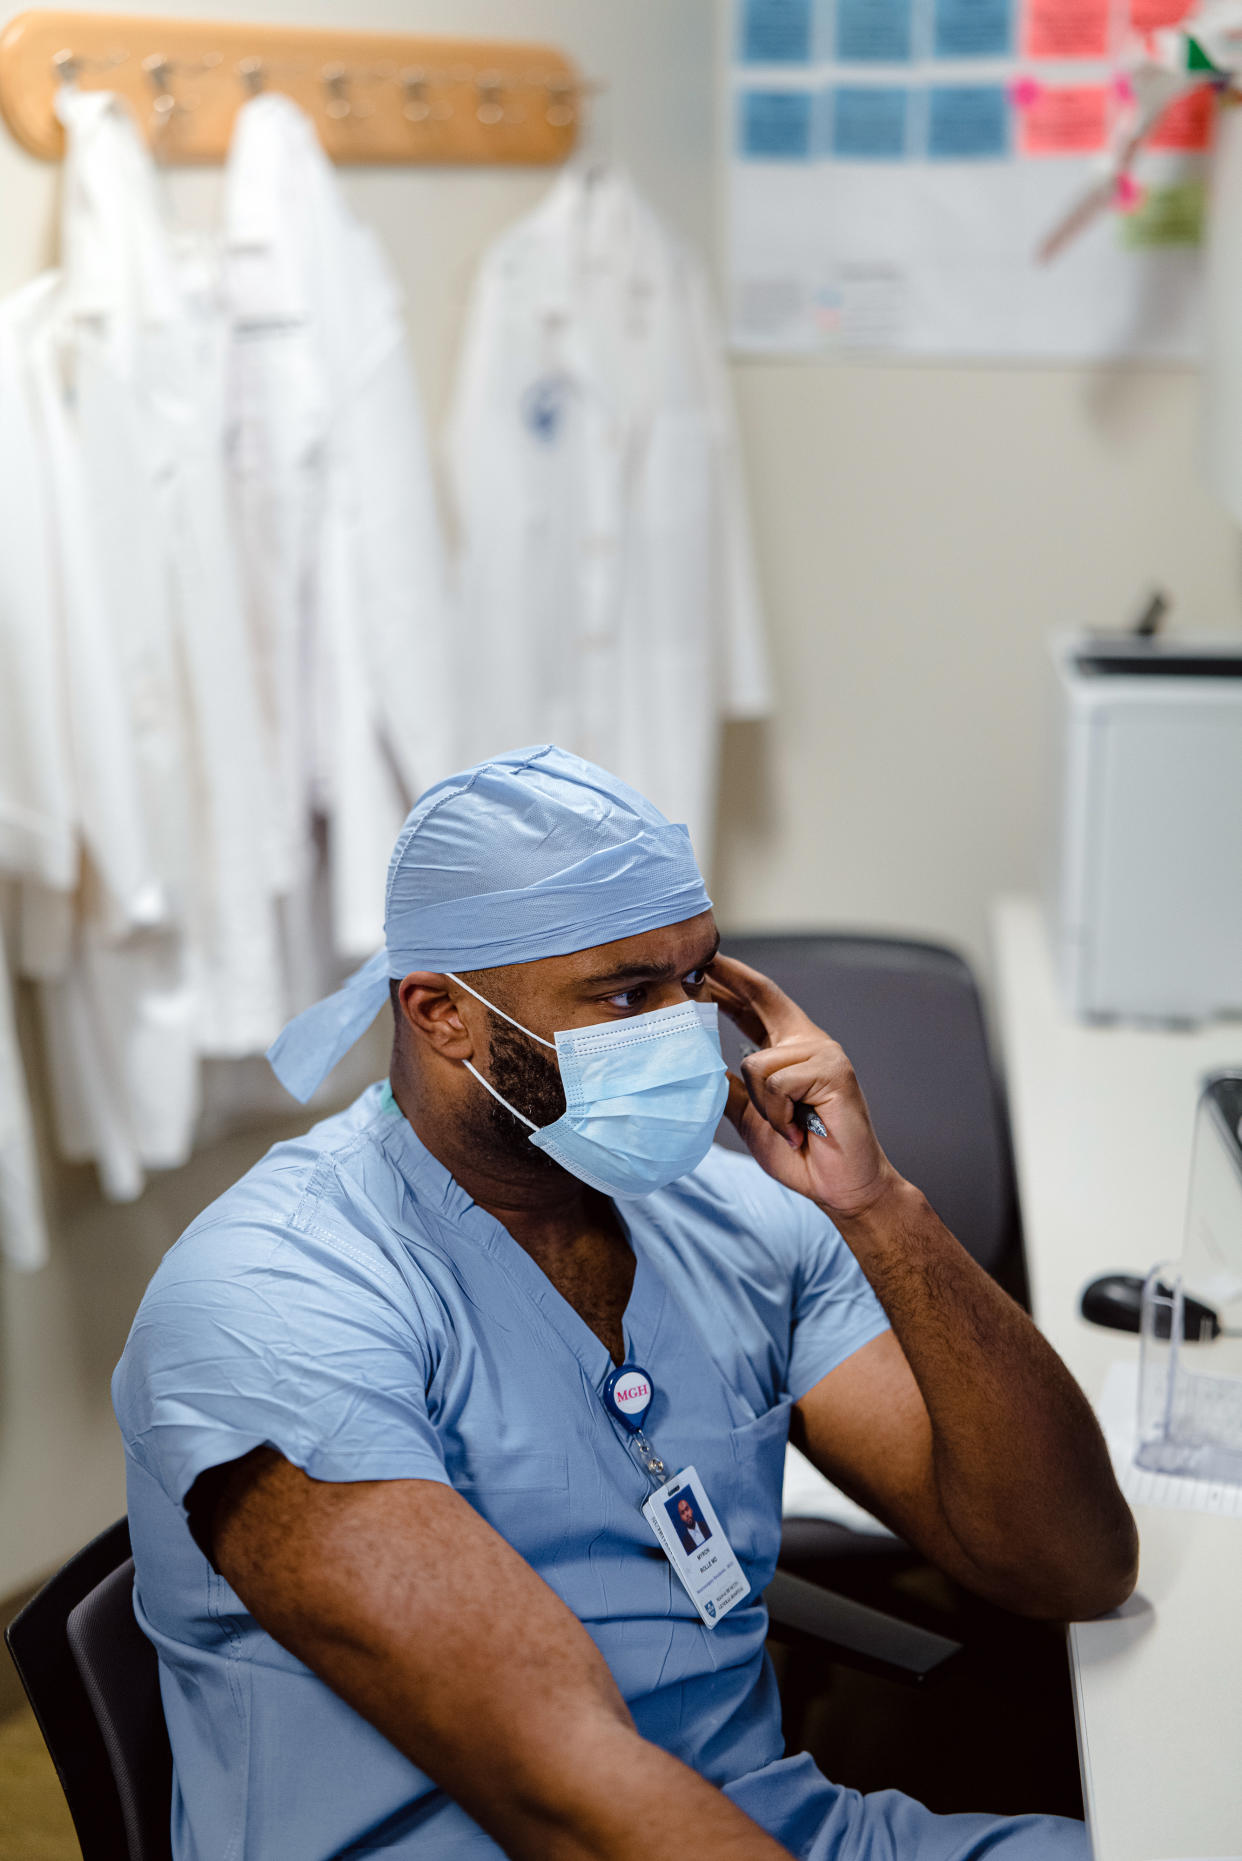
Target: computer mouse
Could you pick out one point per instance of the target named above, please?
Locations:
(1116, 1300)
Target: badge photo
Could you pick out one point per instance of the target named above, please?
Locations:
(691, 1537)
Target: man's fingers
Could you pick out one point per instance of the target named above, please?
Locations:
(739, 1110)
(758, 998)
(770, 1102)
(818, 1063)
(737, 1008)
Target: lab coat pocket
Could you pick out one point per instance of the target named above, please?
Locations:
(751, 1511)
(522, 1495)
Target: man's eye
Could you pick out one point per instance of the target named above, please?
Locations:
(695, 979)
(627, 998)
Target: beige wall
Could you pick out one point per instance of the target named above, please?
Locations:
(919, 530)
(62, 1330)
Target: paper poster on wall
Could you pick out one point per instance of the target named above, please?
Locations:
(896, 163)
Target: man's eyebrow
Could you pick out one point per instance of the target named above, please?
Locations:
(648, 972)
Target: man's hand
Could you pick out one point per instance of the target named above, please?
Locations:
(962, 1429)
(407, 1604)
(795, 1062)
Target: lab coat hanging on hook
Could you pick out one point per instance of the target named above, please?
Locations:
(340, 533)
(607, 588)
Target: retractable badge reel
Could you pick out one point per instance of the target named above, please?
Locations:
(678, 1509)
(627, 1396)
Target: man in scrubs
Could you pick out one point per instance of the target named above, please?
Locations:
(393, 1406)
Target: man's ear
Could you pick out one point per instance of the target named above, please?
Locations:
(429, 1006)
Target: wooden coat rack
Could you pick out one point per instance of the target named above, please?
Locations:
(374, 97)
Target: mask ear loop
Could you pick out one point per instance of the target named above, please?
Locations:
(501, 1013)
(528, 1122)
(486, 1084)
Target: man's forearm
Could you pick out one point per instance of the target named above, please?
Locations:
(611, 1796)
(1022, 1472)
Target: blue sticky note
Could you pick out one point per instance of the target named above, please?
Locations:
(967, 122)
(972, 28)
(869, 122)
(874, 31)
(775, 125)
(776, 32)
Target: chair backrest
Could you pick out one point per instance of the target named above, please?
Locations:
(120, 1672)
(910, 1018)
(92, 1680)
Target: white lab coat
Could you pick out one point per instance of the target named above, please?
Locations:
(608, 597)
(340, 533)
(146, 341)
(58, 623)
(23, 1224)
(38, 834)
(117, 1012)
(167, 948)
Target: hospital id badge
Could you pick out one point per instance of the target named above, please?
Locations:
(681, 1516)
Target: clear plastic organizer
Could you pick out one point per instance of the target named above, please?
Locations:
(1190, 1354)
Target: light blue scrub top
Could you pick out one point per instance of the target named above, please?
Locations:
(349, 1304)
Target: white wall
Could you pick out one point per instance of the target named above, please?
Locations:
(62, 1331)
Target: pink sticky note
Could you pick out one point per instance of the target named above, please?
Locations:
(1127, 195)
(1151, 15)
(1067, 29)
(1187, 123)
(1069, 119)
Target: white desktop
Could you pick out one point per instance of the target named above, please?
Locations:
(1103, 1120)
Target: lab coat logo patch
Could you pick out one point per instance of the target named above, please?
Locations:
(544, 406)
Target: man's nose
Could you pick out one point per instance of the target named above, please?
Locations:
(673, 994)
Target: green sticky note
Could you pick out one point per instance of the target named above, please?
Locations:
(1166, 216)
(1196, 58)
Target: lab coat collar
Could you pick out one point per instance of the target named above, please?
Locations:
(592, 216)
(115, 243)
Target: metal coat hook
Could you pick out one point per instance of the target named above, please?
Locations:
(165, 105)
(336, 83)
(417, 105)
(340, 104)
(160, 70)
(565, 96)
(420, 107)
(490, 108)
(69, 66)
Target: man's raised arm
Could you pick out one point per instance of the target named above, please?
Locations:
(962, 1428)
(407, 1604)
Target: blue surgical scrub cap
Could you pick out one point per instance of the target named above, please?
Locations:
(532, 854)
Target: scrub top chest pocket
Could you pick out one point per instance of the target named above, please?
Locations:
(752, 1504)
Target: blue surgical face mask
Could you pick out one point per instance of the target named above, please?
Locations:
(643, 1097)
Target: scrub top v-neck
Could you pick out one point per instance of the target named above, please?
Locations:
(638, 1321)
(347, 1303)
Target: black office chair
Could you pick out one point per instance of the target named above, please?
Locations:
(92, 1679)
(910, 1018)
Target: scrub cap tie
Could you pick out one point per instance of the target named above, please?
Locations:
(535, 853)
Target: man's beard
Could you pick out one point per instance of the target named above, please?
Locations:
(530, 1081)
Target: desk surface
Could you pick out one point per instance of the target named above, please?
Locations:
(1103, 1119)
